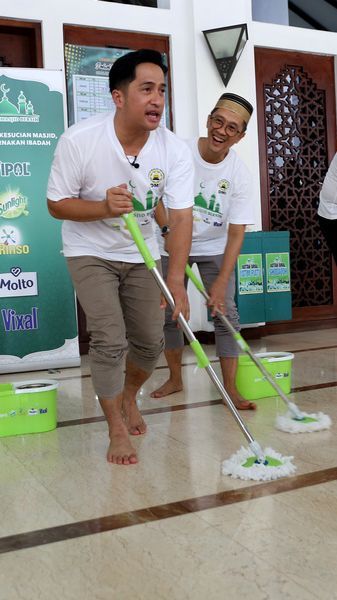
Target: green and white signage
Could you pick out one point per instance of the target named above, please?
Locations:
(278, 272)
(38, 327)
(250, 275)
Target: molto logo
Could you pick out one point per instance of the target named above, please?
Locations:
(18, 169)
(16, 283)
(14, 322)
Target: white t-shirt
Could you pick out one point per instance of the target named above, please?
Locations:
(222, 195)
(327, 207)
(89, 159)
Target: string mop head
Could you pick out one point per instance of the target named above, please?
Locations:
(305, 423)
(244, 464)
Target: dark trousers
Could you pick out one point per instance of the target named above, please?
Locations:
(329, 230)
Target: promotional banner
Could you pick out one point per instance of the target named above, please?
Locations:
(38, 328)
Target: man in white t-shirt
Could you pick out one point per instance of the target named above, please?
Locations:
(327, 208)
(104, 167)
(223, 207)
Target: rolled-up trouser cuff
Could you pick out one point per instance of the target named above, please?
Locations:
(107, 373)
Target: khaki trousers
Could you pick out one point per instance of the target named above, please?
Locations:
(121, 302)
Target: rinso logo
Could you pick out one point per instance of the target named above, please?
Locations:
(17, 283)
(11, 241)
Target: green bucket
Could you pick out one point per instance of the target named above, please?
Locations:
(252, 384)
(28, 407)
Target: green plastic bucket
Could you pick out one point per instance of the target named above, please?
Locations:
(28, 407)
(252, 384)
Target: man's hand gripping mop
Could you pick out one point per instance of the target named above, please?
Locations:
(294, 421)
(248, 463)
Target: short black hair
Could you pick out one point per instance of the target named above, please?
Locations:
(123, 71)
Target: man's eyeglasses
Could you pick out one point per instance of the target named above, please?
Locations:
(230, 128)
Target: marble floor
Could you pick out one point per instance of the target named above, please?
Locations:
(173, 527)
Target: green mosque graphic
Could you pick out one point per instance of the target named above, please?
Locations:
(151, 200)
(24, 111)
(212, 205)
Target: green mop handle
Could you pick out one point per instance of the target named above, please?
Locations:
(244, 346)
(133, 227)
(200, 286)
(202, 358)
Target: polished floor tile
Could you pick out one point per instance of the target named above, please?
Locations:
(172, 526)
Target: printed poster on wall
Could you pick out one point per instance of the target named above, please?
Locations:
(278, 272)
(250, 274)
(87, 76)
(38, 327)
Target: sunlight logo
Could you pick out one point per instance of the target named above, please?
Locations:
(22, 111)
(13, 205)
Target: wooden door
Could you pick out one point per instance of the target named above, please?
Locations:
(297, 140)
(20, 43)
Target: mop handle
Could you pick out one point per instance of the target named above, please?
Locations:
(243, 344)
(202, 358)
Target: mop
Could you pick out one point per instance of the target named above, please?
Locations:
(294, 421)
(248, 463)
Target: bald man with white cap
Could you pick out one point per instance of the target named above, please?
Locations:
(223, 206)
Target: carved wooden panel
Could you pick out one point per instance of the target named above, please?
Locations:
(297, 162)
(296, 117)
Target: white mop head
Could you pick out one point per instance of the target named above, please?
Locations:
(234, 466)
(311, 422)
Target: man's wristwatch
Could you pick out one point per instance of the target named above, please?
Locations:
(165, 230)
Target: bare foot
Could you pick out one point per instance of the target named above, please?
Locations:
(245, 405)
(169, 387)
(120, 451)
(133, 419)
(240, 403)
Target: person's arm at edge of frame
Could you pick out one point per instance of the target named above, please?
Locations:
(235, 236)
(178, 246)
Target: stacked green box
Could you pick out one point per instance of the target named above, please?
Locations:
(263, 278)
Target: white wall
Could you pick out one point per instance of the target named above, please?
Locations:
(195, 80)
(173, 22)
(215, 14)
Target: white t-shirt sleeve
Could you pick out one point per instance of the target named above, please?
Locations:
(65, 175)
(328, 195)
(241, 210)
(180, 180)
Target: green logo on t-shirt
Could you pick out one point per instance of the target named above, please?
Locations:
(151, 200)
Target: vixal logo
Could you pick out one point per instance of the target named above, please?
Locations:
(14, 322)
(16, 283)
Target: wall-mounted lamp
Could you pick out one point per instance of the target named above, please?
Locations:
(226, 45)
